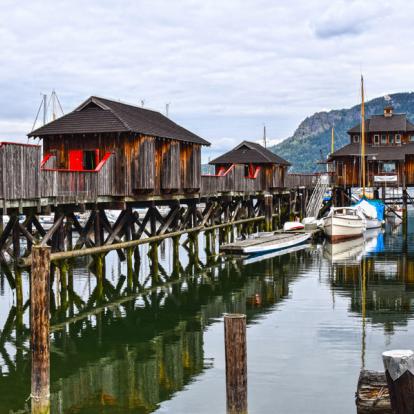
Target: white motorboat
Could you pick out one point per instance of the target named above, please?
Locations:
(372, 223)
(343, 223)
(283, 241)
(265, 242)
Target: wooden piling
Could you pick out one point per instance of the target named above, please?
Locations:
(399, 365)
(236, 362)
(39, 320)
(268, 203)
(130, 268)
(99, 272)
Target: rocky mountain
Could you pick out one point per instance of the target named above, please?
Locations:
(313, 136)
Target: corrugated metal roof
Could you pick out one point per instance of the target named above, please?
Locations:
(97, 115)
(249, 152)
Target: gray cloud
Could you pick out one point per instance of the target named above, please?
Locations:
(225, 67)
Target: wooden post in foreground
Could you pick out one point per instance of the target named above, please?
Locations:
(39, 323)
(268, 202)
(236, 363)
(399, 368)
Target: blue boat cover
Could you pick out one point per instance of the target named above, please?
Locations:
(378, 204)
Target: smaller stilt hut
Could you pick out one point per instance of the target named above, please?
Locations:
(254, 162)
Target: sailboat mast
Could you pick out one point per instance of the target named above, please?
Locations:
(362, 136)
(333, 140)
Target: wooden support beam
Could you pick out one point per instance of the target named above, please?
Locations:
(51, 231)
(39, 318)
(16, 239)
(118, 227)
(85, 231)
(268, 203)
(24, 262)
(236, 363)
(173, 214)
(38, 226)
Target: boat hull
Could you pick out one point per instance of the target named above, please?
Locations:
(343, 228)
(280, 245)
(373, 223)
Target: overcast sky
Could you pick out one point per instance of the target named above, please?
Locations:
(226, 67)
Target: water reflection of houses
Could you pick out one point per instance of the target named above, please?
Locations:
(135, 355)
(381, 288)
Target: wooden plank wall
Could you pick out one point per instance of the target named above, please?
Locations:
(144, 165)
(300, 180)
(20, 165)
(278, 176)
(107, 179)
(170, 165)
(190, 160)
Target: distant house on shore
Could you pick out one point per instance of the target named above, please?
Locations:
(389, 150)
(255, 162)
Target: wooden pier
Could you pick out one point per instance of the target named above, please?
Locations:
(135, 176)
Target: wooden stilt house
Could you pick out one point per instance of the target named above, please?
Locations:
(389, 153)
(109, 148)
(249, 167)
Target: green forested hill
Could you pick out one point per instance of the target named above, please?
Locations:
(313, 135)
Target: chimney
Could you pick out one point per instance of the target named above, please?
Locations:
(388, 111)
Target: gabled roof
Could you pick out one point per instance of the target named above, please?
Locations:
(98, 115)
(249, 152)
(381, 153)
(381, 123)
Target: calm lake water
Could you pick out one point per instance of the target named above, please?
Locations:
(315, 317)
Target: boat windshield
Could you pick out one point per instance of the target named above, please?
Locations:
(346, 211)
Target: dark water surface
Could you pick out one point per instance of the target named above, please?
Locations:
(315, 317)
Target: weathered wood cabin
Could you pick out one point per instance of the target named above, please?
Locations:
(109, 148)
(389, 150)
(249, 167)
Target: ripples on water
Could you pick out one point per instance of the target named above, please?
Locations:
(315, 317)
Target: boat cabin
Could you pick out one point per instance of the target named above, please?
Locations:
(252, 162)
(389, 151)
(136, 151)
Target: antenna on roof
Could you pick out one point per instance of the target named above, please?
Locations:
(167, 109)
(264, 135)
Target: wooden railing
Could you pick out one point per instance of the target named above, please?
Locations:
(301, 180)
(233, 180)
(78, 186)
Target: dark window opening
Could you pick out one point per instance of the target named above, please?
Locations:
(89, 160)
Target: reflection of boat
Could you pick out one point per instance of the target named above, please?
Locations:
(348, 250)
(259, 257)
(374, 241)
(343, 223)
